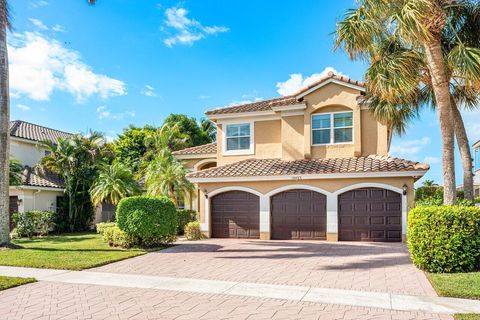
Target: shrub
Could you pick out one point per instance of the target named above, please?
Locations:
(433, 196)
(192, 231)
(152, 220)
(118, 238)
(183, 218)
(32, 223)
(444, 238)
(100, 227)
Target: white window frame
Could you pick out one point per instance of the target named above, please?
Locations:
(332, 128)
(248, 151)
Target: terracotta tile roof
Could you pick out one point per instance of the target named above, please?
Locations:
(329, 76)
(210, 148)
(30, 177)
(278, 167)
(30, 131)
(266, 105)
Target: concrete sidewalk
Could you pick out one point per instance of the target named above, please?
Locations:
(387, 301)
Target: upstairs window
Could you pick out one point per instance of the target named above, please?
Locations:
(238, 138)
(332, 128)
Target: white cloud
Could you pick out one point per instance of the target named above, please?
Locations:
(409, 148)
(470, 118)
(39, 65)
(204, 97)
(38, 23)
(58, 28)
(104, 113)
(23, 107)
(148, 91)
(38, 4)
(431, 160)
(296, 82)
(185, 30)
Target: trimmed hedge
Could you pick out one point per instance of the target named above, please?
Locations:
(444, 238)
(100, 227)
(32, 223)
(192, 231)
(118, 238)
(152, 220)
(184, 217)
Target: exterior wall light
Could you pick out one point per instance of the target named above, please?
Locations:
(205, 192)
(404, 188)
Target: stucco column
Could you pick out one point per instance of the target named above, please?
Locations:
(404, 217)
(332, 217)
(264, 217)
(205, 225)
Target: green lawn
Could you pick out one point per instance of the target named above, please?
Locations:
(467, 317)
(458, 285)
(67, 251)
(10, 282)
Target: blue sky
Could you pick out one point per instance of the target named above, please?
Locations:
(76, 67)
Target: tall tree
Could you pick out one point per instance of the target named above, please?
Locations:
(4, 126)
(189, 133)
(113, 183)
(419, 24)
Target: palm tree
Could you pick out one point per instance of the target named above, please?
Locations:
(113, 183)
(165, 176)
(209, 129)
(15, 173)
(419, 25)
(4, 126)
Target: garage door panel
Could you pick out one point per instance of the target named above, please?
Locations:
(370, 214)
(298, 214)
(235, 214)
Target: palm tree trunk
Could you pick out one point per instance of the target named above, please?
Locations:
(4, 130)
(465, 153)
(440, 85)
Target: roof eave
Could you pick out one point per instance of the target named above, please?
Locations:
(416, 174)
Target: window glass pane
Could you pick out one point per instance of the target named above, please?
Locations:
(232, 143)
(321, 136)
(321, 121)
(244, 143)
(245, 130)
(232, 130)
(343, 135)
(344, 119)
(477, 159)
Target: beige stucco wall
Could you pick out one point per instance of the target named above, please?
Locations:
(330, 185)
(374, 135)
(267, 139)
(40, 200)
(26, 152)
(292, 137)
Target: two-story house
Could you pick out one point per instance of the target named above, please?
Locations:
(313, 165)
(37, 192)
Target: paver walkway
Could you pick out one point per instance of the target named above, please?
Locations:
(226, 281)
(377, 267)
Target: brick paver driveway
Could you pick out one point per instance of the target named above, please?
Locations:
(379, 267)
(358, 266)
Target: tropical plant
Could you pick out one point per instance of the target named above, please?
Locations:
(417, 25)
(4, 125)
(209, 129)
(113, 183)
(76, 159)
(189, 132)
(130, 146)
(165, 176)
(163, 140)
(15, 173)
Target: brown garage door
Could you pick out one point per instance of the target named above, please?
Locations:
(298, 215)
(370, 214)
(235, 214)
(13, 208)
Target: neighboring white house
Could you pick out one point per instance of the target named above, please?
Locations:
(476, 168)
(37, 192)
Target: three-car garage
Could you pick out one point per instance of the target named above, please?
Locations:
(364, 214)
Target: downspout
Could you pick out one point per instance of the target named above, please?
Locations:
(34, 197)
